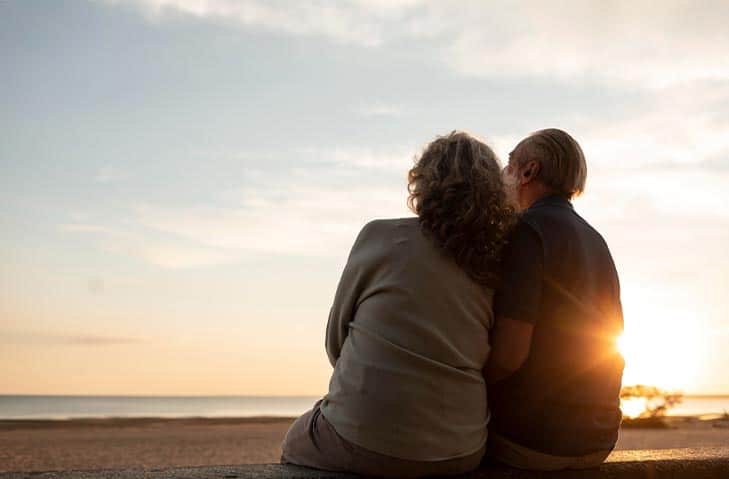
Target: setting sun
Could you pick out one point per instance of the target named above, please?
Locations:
(659, 353)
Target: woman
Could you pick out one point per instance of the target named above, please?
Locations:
(408, 334)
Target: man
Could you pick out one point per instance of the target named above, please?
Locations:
(554, 372)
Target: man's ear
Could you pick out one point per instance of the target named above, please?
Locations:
(529, 172)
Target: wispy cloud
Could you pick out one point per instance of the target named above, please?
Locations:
(628, 41)
(314, 211)
(129, 239)
(90, 340)
(340, 162)
(108, 174)
(679, 126)
(35, 337)
(85, 228)
(719, 163)
(316, 207)
(307, 211)
(354, 22)
(378, 109)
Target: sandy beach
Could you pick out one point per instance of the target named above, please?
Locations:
(114, 443)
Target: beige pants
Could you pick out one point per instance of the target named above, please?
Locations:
(312, 441)
(507, 452)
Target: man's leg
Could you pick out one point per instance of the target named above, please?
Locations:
(590, 460)
(507, 452)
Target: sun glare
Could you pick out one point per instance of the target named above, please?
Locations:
(633, 407)
(659, 353)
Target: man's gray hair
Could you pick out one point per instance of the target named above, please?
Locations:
(562, 166)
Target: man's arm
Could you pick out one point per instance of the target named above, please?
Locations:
(510, 344)
(517, 303)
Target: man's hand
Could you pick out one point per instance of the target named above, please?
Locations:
(510, 344)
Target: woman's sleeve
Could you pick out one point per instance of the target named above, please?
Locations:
(349, 291)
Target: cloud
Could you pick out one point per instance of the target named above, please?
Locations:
(680, 204)
(91, 340)
(316, 208)
(679, 126)
(354, 22)
(129, 240)
(313, 211)
(720, 163)
(347, 162)
(631, 42)
(306, 211)
(377, 109)
(108, 174)
(34, 337)
(85, 228)
(669, 164)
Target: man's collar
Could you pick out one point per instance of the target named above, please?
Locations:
(552, 199)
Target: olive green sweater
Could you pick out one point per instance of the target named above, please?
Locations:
(408, 336)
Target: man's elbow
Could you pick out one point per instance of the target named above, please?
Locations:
(500, 368)
(510, 348)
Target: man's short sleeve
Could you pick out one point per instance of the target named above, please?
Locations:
(520, 292)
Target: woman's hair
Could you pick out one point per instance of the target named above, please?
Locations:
(456, 191)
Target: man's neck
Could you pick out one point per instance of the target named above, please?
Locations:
(532, 195)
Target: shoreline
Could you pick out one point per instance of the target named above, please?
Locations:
(136, 421)
(212, 420)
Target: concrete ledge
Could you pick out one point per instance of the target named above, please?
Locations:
(690, 463)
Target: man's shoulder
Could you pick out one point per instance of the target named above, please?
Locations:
(528, 224)
(543, 216)
(561, 223)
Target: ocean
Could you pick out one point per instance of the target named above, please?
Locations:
(70, 407)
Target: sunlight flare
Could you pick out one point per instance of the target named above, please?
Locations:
(659, 353)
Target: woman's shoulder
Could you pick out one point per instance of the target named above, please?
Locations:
(376, 230)
(380, 224)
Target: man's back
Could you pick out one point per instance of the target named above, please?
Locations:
(559, 276)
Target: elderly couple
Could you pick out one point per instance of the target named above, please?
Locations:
(498, 289)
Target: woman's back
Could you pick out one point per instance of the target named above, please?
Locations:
(408, 337)
(408, 331)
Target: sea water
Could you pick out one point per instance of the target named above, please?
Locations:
(69, 407)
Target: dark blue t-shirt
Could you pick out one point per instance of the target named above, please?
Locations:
(558, 275)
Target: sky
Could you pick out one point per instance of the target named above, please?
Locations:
(181, 181)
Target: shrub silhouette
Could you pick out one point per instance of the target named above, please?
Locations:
(657, 400)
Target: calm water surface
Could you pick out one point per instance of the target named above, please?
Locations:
(67, 407)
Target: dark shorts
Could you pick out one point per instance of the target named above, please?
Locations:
(504, 451)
